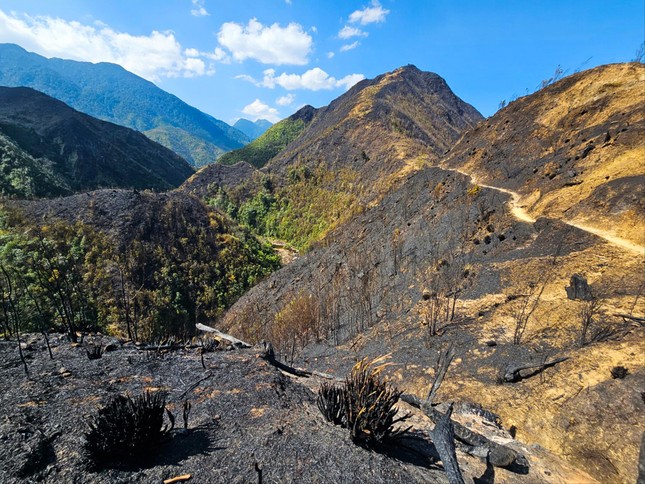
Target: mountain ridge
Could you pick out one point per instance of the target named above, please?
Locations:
(83, 152)
(253, 129)
(347, 155)
(464, 235)
(109, 92)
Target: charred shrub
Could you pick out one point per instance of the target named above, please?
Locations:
(94, 352)
(619, 372)
(126, 429)
(331, 403)
(365, 405)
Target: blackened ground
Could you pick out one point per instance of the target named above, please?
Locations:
(245, 416)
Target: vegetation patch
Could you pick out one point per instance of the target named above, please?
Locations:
(272, 142)
(181, 268)
(365, 404)
(127, 429)
(301, 212)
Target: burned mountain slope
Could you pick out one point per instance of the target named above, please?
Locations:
(573, 150)
(351, 153)
(444, 259)
(246, 422)
(380, 124)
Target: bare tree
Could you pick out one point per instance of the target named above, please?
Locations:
(441, 368)
(525, 307)
(12, 310)
(587, 314)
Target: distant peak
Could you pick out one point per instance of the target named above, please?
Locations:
(305, 113)
(409, 67)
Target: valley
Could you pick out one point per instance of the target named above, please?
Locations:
(510, 248)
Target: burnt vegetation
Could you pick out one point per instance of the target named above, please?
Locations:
(365, 404)
(127, 429)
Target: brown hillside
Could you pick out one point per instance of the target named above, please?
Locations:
(573, 151)
(381, 126)
(368, 288)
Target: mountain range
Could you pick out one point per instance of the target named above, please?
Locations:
(109, 92)
(497, 263)
(51, 149)
(253, 129)
(274, 140)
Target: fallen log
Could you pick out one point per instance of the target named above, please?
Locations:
(513, 374)
(234, 341)
(269, 356)
(166, 347)
(182, 478)
(479, 446)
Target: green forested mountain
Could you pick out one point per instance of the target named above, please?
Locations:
(109, 92)
(140, 264)
(48, 148)
(273, 141)
(253, 129)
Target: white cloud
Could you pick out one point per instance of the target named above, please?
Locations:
(369, 15)
(330, 55)
(199, 10)
(286, 100)
(312, 80)
(153, 56)
(259, 110)
(350, 80)
(266, 44)
(348, 32)
(218, 55)
(351, 46)
(246, 77)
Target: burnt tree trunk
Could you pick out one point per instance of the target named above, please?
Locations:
(443, 436)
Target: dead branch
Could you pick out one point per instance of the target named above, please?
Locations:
(195, 385)
(627, 317)
(445, 358)
(513, 374)
(234, 341)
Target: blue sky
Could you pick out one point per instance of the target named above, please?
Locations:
(267, 58)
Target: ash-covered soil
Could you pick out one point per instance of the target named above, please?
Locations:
(247, 418)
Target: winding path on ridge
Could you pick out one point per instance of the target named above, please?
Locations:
(520, 213)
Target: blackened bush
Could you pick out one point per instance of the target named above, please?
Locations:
(331, 402)
(126, 429)
(365, 405)
(619, 372)
(94, 352)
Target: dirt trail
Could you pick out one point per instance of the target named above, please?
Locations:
(520, 213)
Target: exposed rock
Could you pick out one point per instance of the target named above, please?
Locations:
(578, 288)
